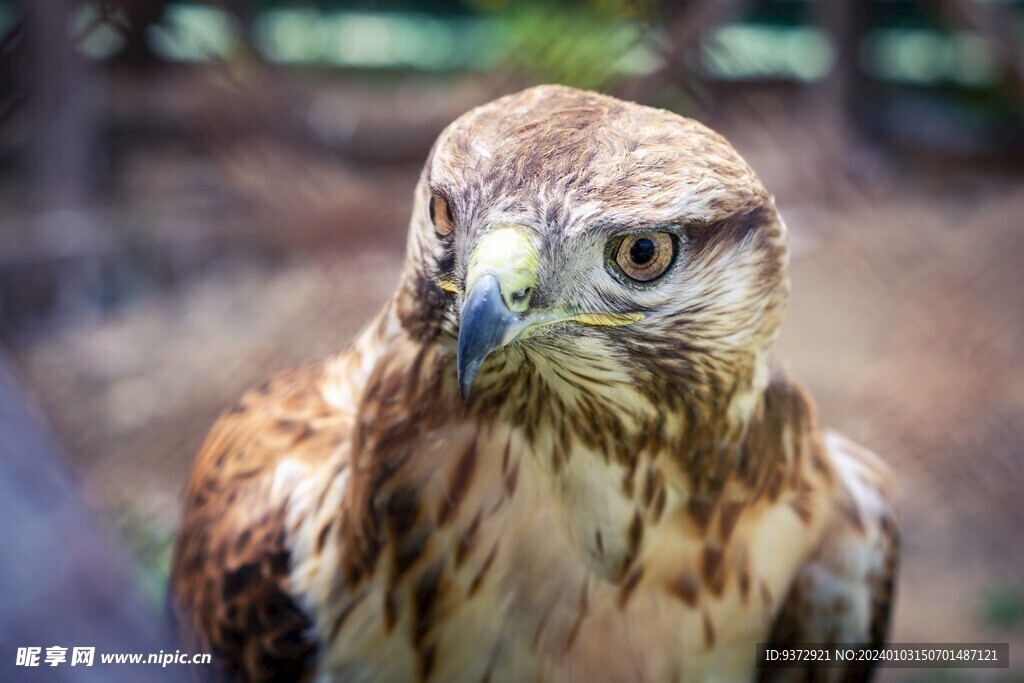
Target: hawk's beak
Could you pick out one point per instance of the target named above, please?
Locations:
(499, 280)
(483, 326)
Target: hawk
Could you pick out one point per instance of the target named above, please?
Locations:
(557, 453)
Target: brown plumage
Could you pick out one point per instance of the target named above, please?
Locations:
(624, 493)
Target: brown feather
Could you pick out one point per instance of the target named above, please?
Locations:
(230, 581)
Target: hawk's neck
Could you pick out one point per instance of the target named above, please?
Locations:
(608, 470)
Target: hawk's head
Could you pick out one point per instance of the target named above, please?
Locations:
(599, 251)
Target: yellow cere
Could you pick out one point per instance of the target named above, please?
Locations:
(510, 254)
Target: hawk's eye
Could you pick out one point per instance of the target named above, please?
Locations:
(441, 215)
(645, 257)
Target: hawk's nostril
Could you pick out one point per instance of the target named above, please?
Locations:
(521, 296)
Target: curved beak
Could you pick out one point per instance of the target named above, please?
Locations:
(499, 278)
(486, 324)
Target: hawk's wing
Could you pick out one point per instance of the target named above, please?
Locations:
(844, 594)
(230, 580)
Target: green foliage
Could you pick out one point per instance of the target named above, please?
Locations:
(940, 676)
(1002, 608)
(152, 548)
(587, 45)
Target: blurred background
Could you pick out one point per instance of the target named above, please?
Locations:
(194, 195)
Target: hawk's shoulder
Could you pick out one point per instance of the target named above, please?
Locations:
(844, 593)
(231, 574)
